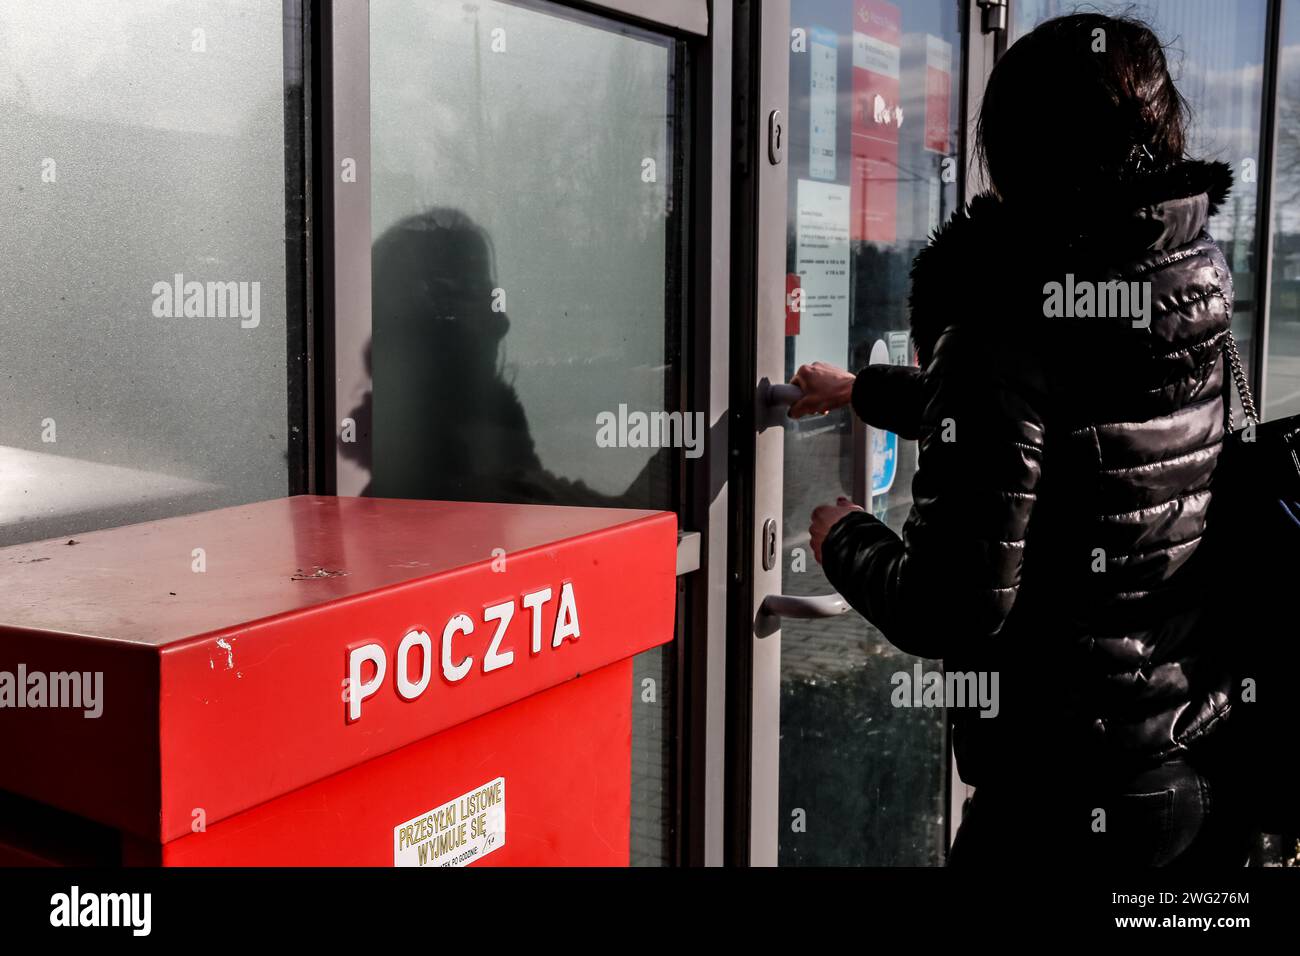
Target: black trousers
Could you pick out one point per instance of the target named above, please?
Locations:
(1171, 815)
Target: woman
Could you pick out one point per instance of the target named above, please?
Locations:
(1069, 409)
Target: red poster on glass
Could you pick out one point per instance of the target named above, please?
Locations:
(938, 86)
(793, 303)
(877, 116)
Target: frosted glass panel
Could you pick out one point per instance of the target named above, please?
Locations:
(144, 140)
(522, 175)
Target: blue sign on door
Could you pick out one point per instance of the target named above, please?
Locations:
(884, 445)
(884, 460)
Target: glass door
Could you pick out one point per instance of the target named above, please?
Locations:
(871, 102)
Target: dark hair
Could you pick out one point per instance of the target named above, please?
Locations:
(1068, 108)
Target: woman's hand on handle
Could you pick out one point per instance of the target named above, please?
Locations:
(824, 518)
(825, 388)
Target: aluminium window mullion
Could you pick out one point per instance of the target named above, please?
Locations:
(1264, 200)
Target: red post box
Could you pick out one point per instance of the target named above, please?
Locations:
(332, 681)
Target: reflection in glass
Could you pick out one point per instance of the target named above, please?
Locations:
(521, 196)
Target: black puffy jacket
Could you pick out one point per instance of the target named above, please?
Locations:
(1063, 476)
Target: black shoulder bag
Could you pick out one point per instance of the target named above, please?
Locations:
(1255, 518)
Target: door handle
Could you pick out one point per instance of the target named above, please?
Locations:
(800, 607)
(783, 395)
(776, 399)
(774, 403)
(805, 607)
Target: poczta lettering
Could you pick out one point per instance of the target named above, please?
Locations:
(461, 647)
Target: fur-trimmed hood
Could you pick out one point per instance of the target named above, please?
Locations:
(1142, 217)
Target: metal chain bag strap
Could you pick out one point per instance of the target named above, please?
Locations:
(1239, 379)
(1265, 456)
(1253, 529)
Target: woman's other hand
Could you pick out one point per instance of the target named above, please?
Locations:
(825, 388)
(824, 518)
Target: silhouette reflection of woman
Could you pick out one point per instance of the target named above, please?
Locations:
(445, 424)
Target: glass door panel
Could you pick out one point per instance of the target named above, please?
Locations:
(874, 112)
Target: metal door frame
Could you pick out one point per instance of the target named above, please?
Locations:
(759, 190)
